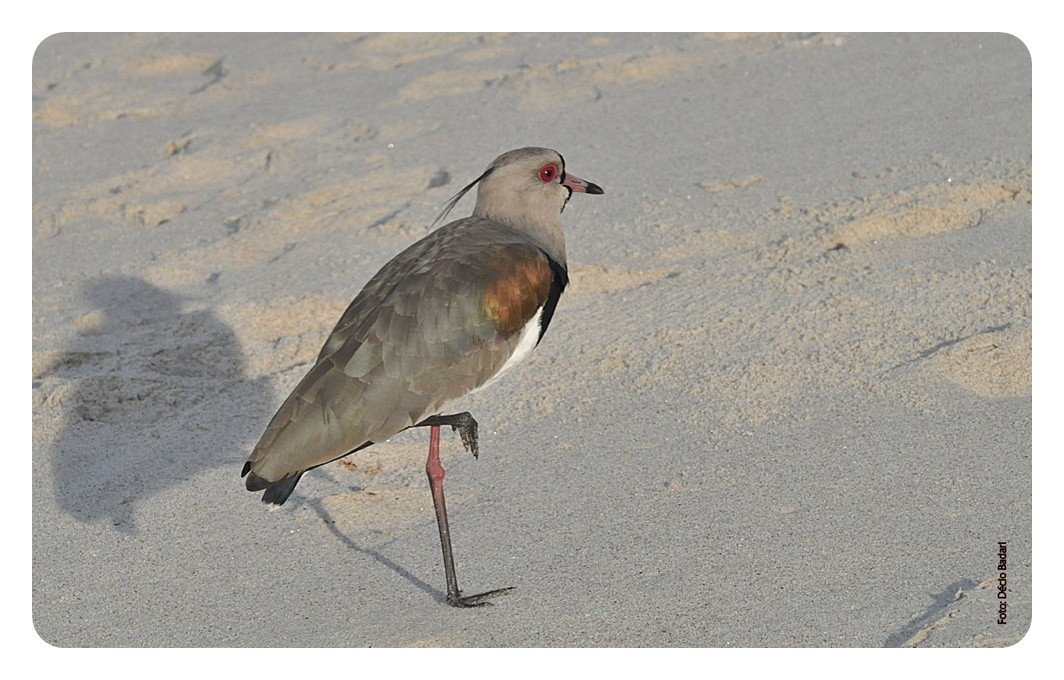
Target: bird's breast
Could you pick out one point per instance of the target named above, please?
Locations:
(526, 342)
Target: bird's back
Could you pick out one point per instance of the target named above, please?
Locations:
(437, 321)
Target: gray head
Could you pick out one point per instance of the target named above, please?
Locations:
(527, 189)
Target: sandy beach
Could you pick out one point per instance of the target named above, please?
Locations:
(785, 402)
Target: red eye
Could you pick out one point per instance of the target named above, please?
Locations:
(548, 173)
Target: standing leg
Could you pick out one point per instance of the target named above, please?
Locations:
(434, 469)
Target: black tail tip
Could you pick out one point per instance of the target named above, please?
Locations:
(276, 492)
(256, 483)
(279, 491)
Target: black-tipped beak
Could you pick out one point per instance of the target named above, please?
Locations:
(583, 186)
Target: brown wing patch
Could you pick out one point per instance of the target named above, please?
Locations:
(519, 288)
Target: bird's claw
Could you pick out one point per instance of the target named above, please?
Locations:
(477, 600)
(466, 427)
(468, 432)
(462, 423)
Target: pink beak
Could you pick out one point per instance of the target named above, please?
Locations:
(583, 186)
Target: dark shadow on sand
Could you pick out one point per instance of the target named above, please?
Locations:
(144, 374)
(940, 601)
(157, 394)
(436, 593)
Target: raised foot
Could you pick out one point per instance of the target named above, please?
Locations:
(467, 430)
(462, 423)
(477, 600)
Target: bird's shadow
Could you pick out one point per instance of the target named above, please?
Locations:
(319, 508)
(940, 602)
(145, 389)
(151, 392)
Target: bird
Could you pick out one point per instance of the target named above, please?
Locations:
(448, 315)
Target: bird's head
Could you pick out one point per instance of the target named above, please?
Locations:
(526, 187)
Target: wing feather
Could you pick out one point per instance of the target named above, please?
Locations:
(436, 322)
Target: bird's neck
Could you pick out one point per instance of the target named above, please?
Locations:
(545, 233)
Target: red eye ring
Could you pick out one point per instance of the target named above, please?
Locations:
(548, 173)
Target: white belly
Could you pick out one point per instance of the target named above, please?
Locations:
(526, 342)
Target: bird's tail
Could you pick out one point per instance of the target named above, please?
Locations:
(276, 492)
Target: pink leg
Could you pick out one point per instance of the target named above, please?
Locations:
(434, 469)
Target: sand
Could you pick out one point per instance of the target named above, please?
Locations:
(785, 402)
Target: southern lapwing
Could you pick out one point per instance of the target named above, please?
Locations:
(446, 316)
